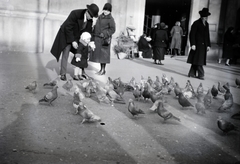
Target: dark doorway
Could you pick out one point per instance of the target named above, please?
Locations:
(170, 11)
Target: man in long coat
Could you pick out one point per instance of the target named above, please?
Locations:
(200, 44)
(67, 38)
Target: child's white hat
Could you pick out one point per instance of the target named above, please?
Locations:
(85, 35)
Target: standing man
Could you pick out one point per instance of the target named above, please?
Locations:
(67, 38)
(200, 44)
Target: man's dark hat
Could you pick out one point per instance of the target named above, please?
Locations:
(93, 10)
(107, 7)
(204, 12)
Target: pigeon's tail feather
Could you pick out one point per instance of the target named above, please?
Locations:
(42, 100)
(236, 116)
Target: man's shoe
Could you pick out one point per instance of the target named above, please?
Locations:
(63, 78)
(201, 78)
(193, 76)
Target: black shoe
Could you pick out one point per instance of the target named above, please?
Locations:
(201, 78)
(80, 77)
(227, 64)
(63, 78)
(102, 73)
(192, 76)
(98, 72)
(85, 76)
(75, 77)
(172, 56)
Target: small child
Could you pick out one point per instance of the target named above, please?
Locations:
(80, 59)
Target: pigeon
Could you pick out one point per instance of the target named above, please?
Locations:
(114, 97)
(164, 113)
(78, 96)
(226, 126)
(68, 85)
(200, 90)
(228, 103)
(200, 105)
(164, 79)
(183, 101)
(88, 115)
(32, 87)
(220, 88)
(150, 81)
(237, 81)
(156, 96)
(188, 91)
(157, 85)
(207, 99)
(52, 83)
(90, 88)
(236, 116)
(118, 86)
(133, 109)
(171, 85)
(137, 93)
(177, 89)
(214, 91)
(101, 94)
(50, 96)
(146, 93)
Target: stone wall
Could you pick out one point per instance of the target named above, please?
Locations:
(31, 25)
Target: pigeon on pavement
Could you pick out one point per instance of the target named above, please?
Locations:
(164, 113)
(50, 96)
(228, 103)
(214, 91)
(52, 83)
(183, 101)
(207, 99)
(133, 108)
(200, 105)
(88, 115)
(226, 126)
(32, 87)
(68, 85)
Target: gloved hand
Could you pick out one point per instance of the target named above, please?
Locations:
(193, 47)
(101, 35)
(208, 48)
(74, 44)
(92, 45)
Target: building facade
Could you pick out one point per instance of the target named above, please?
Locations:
(31, 25)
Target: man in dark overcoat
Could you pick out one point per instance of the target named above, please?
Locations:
(67, 38)
(200, 44)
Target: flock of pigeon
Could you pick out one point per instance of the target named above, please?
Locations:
(147, 90)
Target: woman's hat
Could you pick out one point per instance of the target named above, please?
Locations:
(93, 10)
(204, 12)
(107, 7)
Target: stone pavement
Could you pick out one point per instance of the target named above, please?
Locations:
(29, 130)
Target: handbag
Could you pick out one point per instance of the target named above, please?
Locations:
(106, 41)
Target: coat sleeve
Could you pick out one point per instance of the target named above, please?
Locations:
(208, 37)
(69, 27)
(193, 32)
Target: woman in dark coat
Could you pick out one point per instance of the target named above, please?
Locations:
(200, 44)
(160, 40)
(67, 38)
(228, 42)
(144, 46)
(104, 29)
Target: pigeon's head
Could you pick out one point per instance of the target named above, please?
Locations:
(130, 100)
(219, 118)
